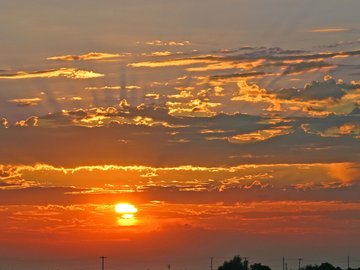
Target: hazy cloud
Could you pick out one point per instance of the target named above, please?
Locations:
(25, 102)
(88, 56)
(70, 73)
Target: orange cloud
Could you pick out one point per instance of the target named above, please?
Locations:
(70, 73)
(328, 30)
(261, 135)
(172, 63)
(88, 56)
(25, 102)
(4, 123)
(115, 87)
(193, 108)
(347, 129)
(29, 122)
(167, 43)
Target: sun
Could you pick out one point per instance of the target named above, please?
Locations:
(127, 212)
(126, 209)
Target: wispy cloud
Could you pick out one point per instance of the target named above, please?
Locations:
(70, 73)
(88, 56)
(173, 62)
(328, 30)
(165, 43)
(29, 122)
(114, 87)
(261, 135)
(25, 102)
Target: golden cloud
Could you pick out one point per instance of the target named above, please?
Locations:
(4, 123)
(114, 87)
(25, 102)
(261, 135)
(328, 30)
(193, 108)
(88, 56)
(29, 122)
(70, 73)
(172, 63)
(167, 43)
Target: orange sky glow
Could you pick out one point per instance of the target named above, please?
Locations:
(168, 132)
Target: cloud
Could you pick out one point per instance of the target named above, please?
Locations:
(123, 114)
(166, 43)
(318, 98)
(161, 53)
(88, 56)
(348, 129)
(234, 76)
(328, 30)
(70, 73)
(180, 184)
(182, 94)
(29, 122)
(25, 102)
(317, 90)
(172, 63)
(114, 87)
(192, 108)
(261, 135)
(4, 123)
(256, 63)
(305, 67)
(252, 137)
(227, 64)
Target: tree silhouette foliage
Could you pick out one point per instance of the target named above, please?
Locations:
(259, 266)
(236, 263)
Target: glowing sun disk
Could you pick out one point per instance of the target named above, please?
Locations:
(126, 209)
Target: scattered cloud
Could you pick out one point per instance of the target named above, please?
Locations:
(261, 135)
(88, 56)
(4, 123)
(346, 129)
(161, 53)
(192, 108)
(172, 63)
(70, 73)
(166, 43)
(29, 122)
(114, 87)
(328, 30)
(25, 102)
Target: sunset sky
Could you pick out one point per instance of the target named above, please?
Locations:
(226, 127)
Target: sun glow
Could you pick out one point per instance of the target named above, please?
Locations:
(126, 209)
(127, 212)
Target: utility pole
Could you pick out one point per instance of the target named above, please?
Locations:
(169, 266)
(102, 262)
(286, 266)
(246, 263)
(348, 262)
(300, 259)
(211, 263)
(283, 263)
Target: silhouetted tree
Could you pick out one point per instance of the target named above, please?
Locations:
(259, 266)
(323, 266)
(236, 263)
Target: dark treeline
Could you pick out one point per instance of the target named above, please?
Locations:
(239, 263)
